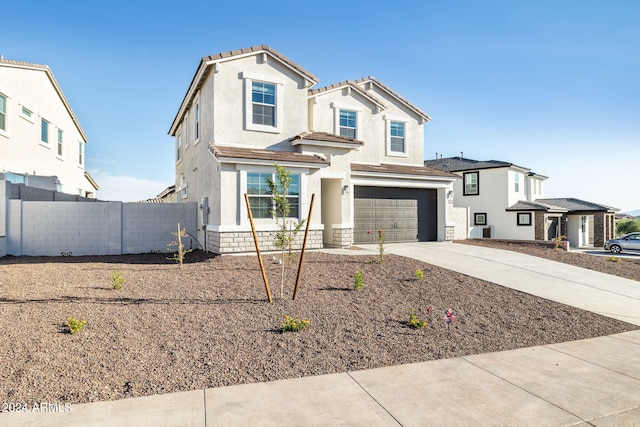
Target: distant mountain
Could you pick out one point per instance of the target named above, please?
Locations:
(634, 213)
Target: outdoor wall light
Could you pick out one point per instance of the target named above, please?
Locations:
(345, 189)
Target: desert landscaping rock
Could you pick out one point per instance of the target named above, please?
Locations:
(209, 324)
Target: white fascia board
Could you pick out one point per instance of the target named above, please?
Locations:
(400, 182)
(241, 161)
(259, 227)
(315, 143)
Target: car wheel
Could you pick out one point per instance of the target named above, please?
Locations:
(615, 249)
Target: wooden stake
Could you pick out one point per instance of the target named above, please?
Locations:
(255, 240)
(304, 246)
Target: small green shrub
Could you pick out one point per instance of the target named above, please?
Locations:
(614, 258)
(358, 280)
(419, 274)
(292, 324)
(117, 280)
(75, 325)
(415, 321)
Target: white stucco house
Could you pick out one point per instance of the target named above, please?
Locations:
(357, 145)
(41, 141)
(506, 201)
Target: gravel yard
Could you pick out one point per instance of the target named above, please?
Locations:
(209, 324)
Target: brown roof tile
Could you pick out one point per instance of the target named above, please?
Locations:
(225, 151)
(401, 169)
(325, 136)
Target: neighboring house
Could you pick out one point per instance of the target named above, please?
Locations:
(357, 145)
(41, 141)
(506, 202)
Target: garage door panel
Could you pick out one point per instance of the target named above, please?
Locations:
(405, 215)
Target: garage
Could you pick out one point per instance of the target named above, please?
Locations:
(405, 214)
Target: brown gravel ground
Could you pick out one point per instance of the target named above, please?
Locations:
(209, 324)
(628, 268)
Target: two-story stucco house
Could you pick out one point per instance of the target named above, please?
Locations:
(41, 141)
(356, 145)
(506, 201)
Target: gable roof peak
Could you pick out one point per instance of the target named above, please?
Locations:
(363, 81)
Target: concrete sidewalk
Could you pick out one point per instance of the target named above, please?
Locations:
(590, 382)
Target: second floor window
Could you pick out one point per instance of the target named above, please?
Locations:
(197, 122)
(471, 184)
(263, 98)
(59, 142)
(44, 131)
(80, 153)
(348, 124)
(3, 112)
(178, 147)
(397, 137)
(516, 185)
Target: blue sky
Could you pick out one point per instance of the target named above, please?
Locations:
(549, 85)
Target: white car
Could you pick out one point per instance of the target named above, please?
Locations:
(628, 242)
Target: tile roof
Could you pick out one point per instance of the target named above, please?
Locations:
(401, 169)
(576, 205)
(3, 60)
(523, 205)
(371, 79)
(225, 151)
(325, 136)
(351, 84)
(458, 164)
(258, 49)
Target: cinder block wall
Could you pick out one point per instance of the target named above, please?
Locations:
(147, 227)
(102, 228)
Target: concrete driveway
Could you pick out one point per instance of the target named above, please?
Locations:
(600, 293)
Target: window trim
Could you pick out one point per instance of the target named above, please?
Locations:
(178, 142)
(32, 118)
(197, 124)
(388, 121)
(269, 196)
(60, 144)
(248, 79)
(516, 182)
(476, 220)
(522, 223)
(80, 154)
(49, 126)
(336, 117)
(464, 183)
(7, 101)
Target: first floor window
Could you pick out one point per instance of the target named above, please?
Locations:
(348, 124)
(263, 99)
(524, 218)
(3, 112)
(260, 198)
(480, 218)
(59, 142)
(44, 131)
(397, 137)
(471, 185)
